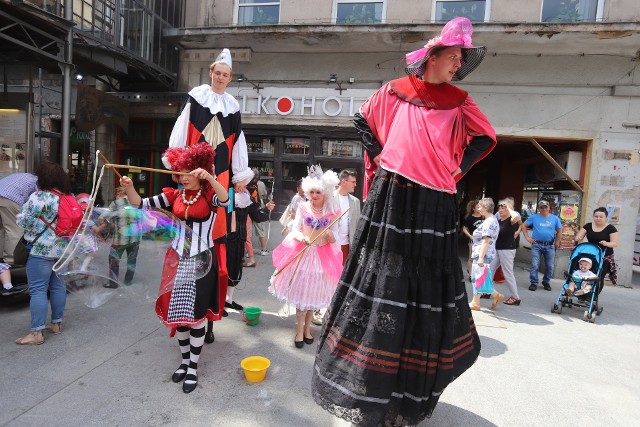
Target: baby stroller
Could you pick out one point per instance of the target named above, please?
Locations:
(588, 300)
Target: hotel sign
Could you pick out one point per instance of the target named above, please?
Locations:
(315, 106)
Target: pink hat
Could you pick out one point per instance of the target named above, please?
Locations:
(456, 33)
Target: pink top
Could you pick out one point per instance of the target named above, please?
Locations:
(420, 143)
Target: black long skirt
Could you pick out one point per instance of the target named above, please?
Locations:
(399, 329)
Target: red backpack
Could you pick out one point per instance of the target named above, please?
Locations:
(69, 216)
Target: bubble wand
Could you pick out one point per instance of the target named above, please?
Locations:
(273, 181)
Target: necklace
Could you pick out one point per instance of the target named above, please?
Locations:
(190, 202)
(316, 211)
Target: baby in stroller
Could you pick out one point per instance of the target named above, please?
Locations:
(582, 277)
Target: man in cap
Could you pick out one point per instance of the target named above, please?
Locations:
(545, 237)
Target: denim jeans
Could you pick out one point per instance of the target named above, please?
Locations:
(549, 253)
(41, 278)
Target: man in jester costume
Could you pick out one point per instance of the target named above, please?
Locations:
(213, 116)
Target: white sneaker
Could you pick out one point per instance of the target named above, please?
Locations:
(317, 318)
(264, 252)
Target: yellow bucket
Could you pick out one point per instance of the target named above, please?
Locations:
(255, 368)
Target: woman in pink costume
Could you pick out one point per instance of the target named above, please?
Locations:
(399, 328)
(309, 281)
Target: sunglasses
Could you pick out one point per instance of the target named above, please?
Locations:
(502, 206)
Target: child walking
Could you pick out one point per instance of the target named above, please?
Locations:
(309, 281)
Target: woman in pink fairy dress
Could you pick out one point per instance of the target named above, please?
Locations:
(309, 281)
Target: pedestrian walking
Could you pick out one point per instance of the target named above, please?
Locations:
(309, 281)
(39, 219)
(506, 245)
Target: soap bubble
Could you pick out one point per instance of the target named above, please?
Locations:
(124, 251)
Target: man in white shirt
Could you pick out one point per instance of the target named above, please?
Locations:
(347, 224)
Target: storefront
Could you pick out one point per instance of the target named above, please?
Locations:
(283, 155)
(143, 146)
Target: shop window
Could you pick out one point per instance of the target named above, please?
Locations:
(296, 146)
(475, 10)
(340, 148)
(12, 159)
(13, 125)
(258, 12)
(571, 10)
(291, 173)
(265, 169)
(360, 12)
(260, 145)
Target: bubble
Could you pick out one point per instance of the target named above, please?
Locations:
(128, 252)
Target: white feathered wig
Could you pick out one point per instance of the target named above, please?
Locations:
(325, 182)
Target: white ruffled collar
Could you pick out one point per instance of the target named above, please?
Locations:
(215, 102)
(243, 199)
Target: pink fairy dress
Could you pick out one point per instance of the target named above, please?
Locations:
(309, 281)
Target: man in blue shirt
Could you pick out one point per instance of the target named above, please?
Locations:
(15, 190)
(545, 237)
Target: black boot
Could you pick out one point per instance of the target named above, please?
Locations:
(209, 337)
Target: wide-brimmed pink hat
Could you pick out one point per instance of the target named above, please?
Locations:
(456, 33)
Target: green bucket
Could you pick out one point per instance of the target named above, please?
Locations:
(251, 315)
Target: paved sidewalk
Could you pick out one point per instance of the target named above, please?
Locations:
(112, 365)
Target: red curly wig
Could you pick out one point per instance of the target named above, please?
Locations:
(191, 158)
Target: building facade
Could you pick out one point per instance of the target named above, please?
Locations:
(560, 81)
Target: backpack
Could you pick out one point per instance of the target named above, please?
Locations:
(69, 216)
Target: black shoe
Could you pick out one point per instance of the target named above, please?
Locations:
(224, 313)
(547, 287)
(179, 376)
(299, 344)
(308, 340)
(233, 305)
(209, 337)
(111, 285)
(188, 387)
(10, 291)
(533, 287)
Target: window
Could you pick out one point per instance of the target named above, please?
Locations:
(341, 148)
(360, 12)
(257, 144)
(475, 10)
(572, 10)
(258, 12)
(296, 146)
